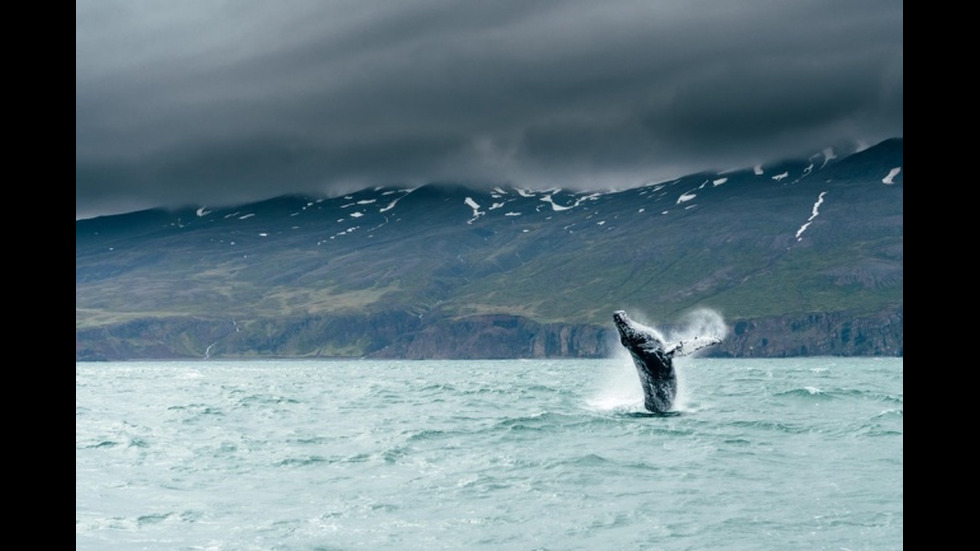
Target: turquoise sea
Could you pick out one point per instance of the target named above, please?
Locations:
(799, 453)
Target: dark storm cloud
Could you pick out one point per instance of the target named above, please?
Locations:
(208, 102)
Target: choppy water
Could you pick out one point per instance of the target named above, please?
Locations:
(557, 455)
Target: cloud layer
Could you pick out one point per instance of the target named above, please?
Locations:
(210, 102)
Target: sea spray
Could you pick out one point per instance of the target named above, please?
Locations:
(702, 322)
(686, 400)
(618, 388)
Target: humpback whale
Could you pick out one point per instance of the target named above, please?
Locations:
(654, 360)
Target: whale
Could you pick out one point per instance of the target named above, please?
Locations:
(654, 360)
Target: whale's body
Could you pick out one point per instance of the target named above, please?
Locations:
(654, 360)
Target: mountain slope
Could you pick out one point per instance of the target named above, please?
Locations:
(800, 257)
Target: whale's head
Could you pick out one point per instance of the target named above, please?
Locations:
(632, 335)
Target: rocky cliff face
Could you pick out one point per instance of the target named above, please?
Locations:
(499, 336)
(406, 336)
(817, 334)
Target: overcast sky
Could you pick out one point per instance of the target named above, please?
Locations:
(210, 102)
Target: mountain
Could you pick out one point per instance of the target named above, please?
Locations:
(800, 257)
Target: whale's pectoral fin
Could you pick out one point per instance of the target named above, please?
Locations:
(683, 348)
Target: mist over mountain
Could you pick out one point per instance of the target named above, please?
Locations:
(799, 257)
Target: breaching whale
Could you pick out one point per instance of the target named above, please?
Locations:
(654, 360)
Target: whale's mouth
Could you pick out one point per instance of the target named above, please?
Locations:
(627, 335)
(621, 321)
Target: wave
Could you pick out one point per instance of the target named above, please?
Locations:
(544, 421)
(587, 460)
(431, 434)
(890, 413)
(152, 519)
(264, 399)
(98, 445)
(642, 414)
(805, 392)
(302, 461)
(835, 394)
(773, 426)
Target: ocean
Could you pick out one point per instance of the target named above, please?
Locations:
(798, 453)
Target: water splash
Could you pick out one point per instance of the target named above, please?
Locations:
(618, 388)
(703, 322)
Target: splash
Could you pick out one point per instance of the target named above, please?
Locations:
(618, 389)
(702, 322)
